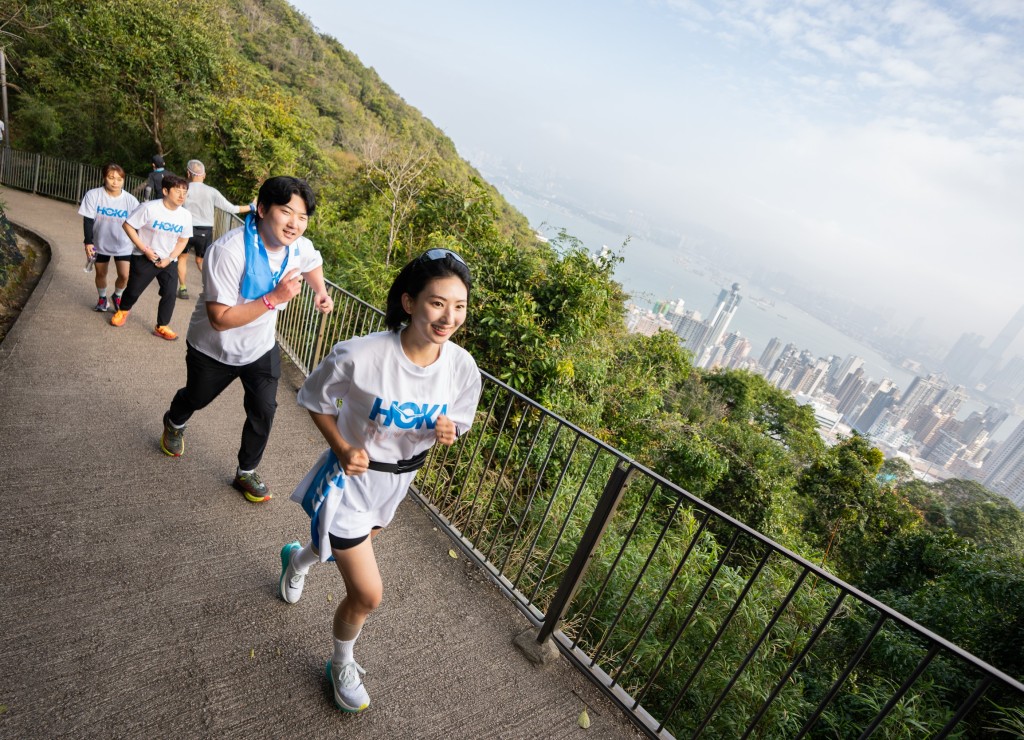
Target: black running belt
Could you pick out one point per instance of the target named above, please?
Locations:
(402, 466)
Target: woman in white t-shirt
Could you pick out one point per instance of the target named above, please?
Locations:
(103, 212)
(403, 390)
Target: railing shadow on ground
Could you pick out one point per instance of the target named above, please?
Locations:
(693, 623)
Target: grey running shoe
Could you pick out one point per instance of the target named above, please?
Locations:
(252, 487)
(101, 305)
(173, 440)
(183, 293)
(349, 693)
(291, 580)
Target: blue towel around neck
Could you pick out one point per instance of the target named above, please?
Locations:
(258, 279)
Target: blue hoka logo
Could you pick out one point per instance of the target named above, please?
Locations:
(112, 212)
(168, 226)
(407, 415)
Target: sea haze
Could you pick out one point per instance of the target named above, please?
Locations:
(652, 272)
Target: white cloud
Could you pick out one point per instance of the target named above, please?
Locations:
(906, 72)
(1009, 111)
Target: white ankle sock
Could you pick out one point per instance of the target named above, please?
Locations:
(304, 558)
(343, 651)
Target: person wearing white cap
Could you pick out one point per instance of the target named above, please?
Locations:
(201, 201)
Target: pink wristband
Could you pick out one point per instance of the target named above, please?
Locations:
(268, 304)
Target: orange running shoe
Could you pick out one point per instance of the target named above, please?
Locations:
(165, 332)
(119, 317)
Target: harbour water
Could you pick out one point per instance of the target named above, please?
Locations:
(652, 272)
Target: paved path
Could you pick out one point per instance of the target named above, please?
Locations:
(138, 592)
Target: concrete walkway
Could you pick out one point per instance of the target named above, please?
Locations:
(138, 593)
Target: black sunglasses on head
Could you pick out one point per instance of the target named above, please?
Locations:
(439, 254)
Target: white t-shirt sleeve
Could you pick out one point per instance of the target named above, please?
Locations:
(328, 382)
(223, 203)
(467, 394)
(311, 258)
(88, 207)
(222, 274)
(139, 217)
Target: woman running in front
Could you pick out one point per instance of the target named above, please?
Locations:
(403, 390)
(103, 211)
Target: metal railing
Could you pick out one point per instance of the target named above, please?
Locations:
(693, 623)
(54, 177)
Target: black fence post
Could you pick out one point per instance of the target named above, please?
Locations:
(573, 577)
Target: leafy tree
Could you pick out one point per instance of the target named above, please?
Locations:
(156, 61)
(254, 134)
(635, 396)
(753, 400)
(396, 170)
(847, 513)
(896, 470)
(970, 596)
(975, 513)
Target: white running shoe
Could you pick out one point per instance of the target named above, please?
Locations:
(349, 693)
(291, 580)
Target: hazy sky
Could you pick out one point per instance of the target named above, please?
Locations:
(877, 146)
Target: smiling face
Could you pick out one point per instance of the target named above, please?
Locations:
(281, 225)
(436, 313)
(113, 183)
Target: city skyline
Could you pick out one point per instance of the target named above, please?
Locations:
(930, 423)
(877, 148)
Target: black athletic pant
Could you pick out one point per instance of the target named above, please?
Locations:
(140, 275)
(207, 378)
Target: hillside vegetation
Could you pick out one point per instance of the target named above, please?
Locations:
(251, 88)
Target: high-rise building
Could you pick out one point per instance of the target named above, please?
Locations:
(990, 360)
(811, 378)
(883, 399)
(951, 399)
(1008, 382)
(689, 329)
(978, 424)
(963, 358)
(923, 392)
(843, 370)
(944, 449)
(718, 322)
(1004, 469)
(850, 391)
(1006, 337)
(736, 348)
(771, 352)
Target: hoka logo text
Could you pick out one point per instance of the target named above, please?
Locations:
(407, 415)
(168, 226)
(112, 212)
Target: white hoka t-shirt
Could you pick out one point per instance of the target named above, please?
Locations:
(390, 409)
(108, 214)
(223, 270)
(160, 227)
